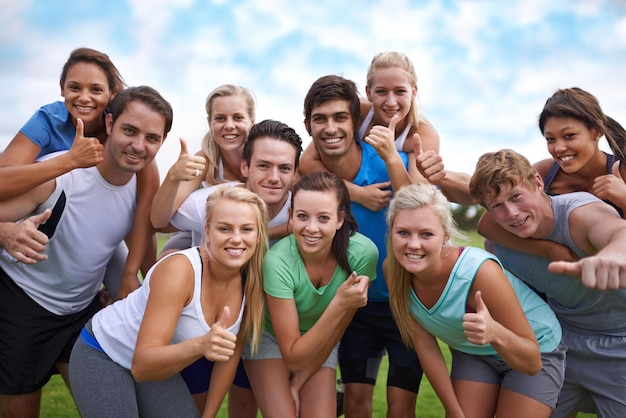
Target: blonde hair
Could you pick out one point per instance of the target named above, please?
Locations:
(394, 59)
(252, 323)
(409, 197)
(209, 146)
(497, 169)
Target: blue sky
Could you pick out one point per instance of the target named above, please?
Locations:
(485, 68)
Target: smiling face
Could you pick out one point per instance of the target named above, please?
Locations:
(314, 220)
(522, 210)
(331, 128)
(230, 122)
(134, 137)
(391, 93)
(417, 239)
(231, 234)
(86, 92)
(271, 172)
(571, 143)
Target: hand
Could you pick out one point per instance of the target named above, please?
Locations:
(85, 151)
(610, 186)
(382, 138)
(353, 292)
(105, 297)
(188, 166)
(429, 163)
(24, 241)
(599, 272)
(219, 344)
(375, 196)
(477, 325)
(129, 283)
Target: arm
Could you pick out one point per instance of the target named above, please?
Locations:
(141, 236)
(382, 139)
(455, 186)
(314, 346)
(179, 182)
(279, 231)
(23, 241)
(221, 380)
(435, 368)
(19, 172)
(499, 320)
(597, 229)
(491, 230)
(171, 288)
(611, 186)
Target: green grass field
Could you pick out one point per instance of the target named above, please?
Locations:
(57, 402)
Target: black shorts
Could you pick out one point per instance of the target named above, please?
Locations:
(33, 339)
(371, 333)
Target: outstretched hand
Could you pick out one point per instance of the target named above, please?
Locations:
(85, 151)
(597, 272)
(219, 343)
(188, 166)
(24, 241)
(477, 326)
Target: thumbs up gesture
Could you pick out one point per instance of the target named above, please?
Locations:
(477, 326)
(382, 138)
(611, 186)
(188, 166)
(219, 343)
(24, 241)
(429, 163)
(85, 151)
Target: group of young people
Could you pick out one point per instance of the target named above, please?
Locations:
(284, 264)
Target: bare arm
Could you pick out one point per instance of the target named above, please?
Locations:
(221, 380)
(20, 173)
(491, 230)
(601, 232)
(23, 240)
(179, 182)
(171, 288)
(301, 351)
(454, 185)
(436, 370)
(499, 320)
(141, 236)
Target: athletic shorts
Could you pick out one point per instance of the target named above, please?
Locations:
(197, 376)
(268, 349)
(371, 333)
(33, 338)
(543, 387)
(595, 376)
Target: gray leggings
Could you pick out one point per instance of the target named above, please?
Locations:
(102, 388)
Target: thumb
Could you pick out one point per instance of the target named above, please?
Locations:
(80, 128)
(615, 169)
(351, 279)
(222, 320)
(393, 122)
(41, 218)
(480, 304)
(183, 147)
(417, 144)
